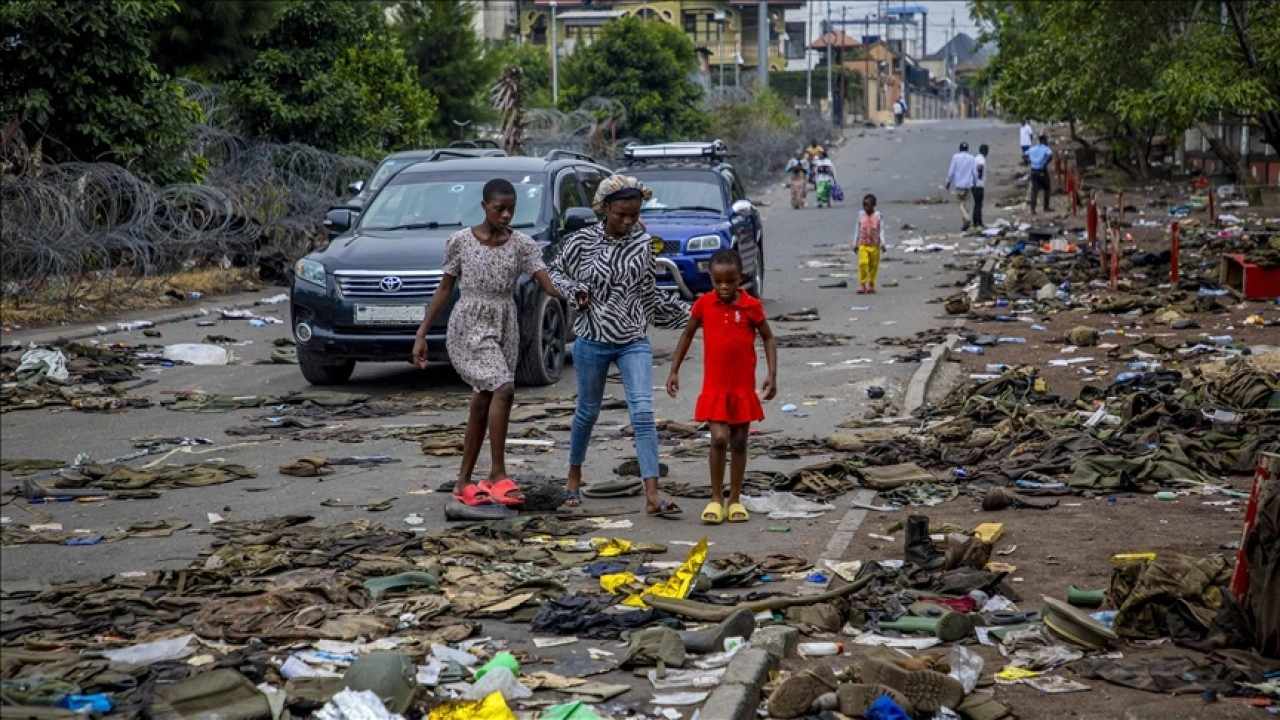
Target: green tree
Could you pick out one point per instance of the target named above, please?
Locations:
(205, 38)
(647, 67)
(331, 75)
(438, 39)
(80, 76)
(1134, 70)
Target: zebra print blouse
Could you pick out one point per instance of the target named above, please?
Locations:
(618, 276)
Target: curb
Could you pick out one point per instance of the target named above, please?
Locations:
(918, 386)
(738, 695)
(84, 331)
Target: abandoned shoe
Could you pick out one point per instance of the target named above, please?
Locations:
(919, 549)
(631, 468)
(741, 623)
(936, 662)
(856, 699)
(925, 689)
(794, 696)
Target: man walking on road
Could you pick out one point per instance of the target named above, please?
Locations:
(899, 110)
(960, 179)
(979, 185)
(1039, 156)
(1025, 135)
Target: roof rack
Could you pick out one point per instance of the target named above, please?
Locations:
(555, 154)
(709, 151)
(476, 143)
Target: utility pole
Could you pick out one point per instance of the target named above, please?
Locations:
(555, 59)
(720, 16)
(827, 37)
(763, 42)
(951, 63)
(808, 58)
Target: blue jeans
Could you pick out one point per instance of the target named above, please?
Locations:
(591, 362)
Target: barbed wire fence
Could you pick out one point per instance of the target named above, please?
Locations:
(73, 229)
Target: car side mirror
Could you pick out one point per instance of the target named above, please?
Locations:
(339, 220)
(577, 218)
(742, 207)
(356, 187)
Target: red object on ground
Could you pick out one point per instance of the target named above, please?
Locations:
(1091, 216)
(1173, 253)
(1254, 282)
(1263, 475)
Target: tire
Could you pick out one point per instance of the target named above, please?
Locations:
(543, 333)
(757, 280)
(318, 371)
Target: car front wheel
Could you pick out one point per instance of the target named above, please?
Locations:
(319, 371)
(542, 341)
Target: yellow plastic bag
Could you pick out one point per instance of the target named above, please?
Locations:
(492, 707)
(613, 583)
(680, 582)
(1010, 674)
(610, 547)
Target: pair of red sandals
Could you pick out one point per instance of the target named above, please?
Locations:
(503, 492)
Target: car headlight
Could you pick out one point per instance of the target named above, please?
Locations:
(310, 271)
(703, 242)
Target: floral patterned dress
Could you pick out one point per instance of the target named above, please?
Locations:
(484, 329)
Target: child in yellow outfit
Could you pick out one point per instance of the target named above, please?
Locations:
(868, 238)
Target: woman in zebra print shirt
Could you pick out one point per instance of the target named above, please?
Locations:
(609, 269)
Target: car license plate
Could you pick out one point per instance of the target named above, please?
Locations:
(389, 314)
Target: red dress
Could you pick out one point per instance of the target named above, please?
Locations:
(729, 359)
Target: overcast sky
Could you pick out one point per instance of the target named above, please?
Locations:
(940, 12)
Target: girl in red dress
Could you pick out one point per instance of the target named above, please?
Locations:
(731, 320)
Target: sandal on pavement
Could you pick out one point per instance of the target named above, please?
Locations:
(665, 508)
(473, 495)
(504, 491)
(572, 498)
(713, 513)
(738, 513)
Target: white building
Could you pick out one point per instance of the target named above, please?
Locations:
(495, 20)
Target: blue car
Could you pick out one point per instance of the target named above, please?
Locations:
(698, 207)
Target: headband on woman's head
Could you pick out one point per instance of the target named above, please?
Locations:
(619, 187)
(626, 193)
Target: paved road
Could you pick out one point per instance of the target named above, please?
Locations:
(900, 167)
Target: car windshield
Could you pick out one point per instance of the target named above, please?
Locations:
(448, 200)
(390, 167)
(672, 191)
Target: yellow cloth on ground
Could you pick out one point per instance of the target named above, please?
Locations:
(680, 582)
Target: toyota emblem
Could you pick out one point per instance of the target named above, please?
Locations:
(390, 284)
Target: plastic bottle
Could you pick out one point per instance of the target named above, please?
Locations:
(1144, 366)
(1002, 303)
(997, 368)
(1006, 318)
(1220, 339)
(1011, 341)
(819, 649)
(1125, 377)
(971, 349)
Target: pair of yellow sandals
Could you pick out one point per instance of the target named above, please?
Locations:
(714, 513)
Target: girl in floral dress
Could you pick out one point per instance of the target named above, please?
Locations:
(483, 339)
